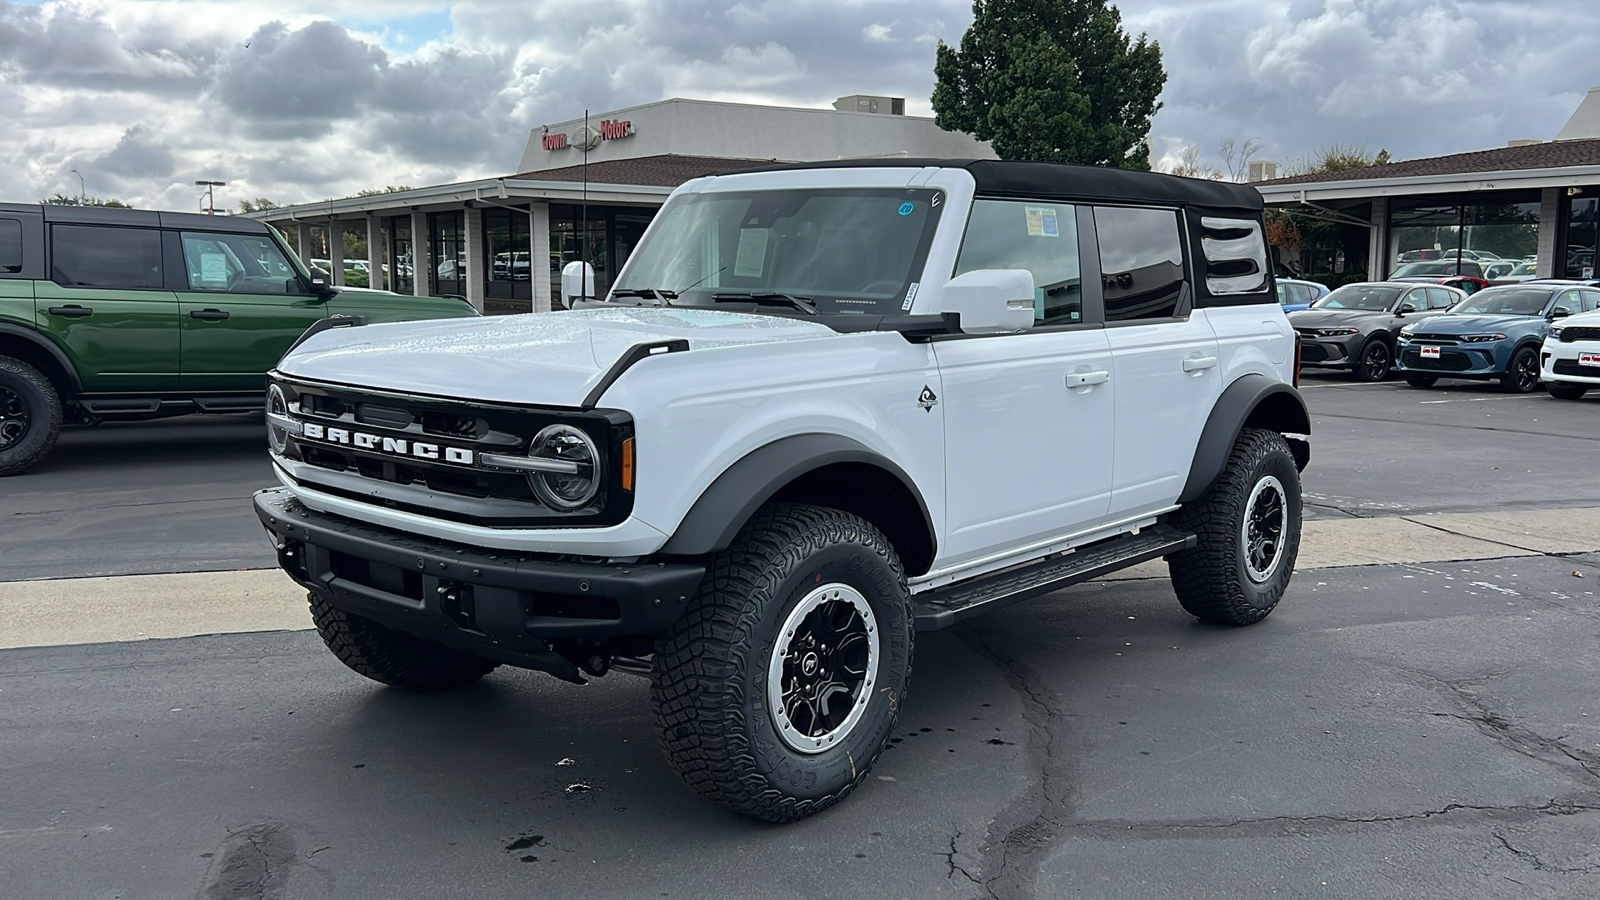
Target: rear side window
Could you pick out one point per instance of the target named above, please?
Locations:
(1439, 298)
(10, 246)
(1039, 237)
(1141, 262)
(105, 257)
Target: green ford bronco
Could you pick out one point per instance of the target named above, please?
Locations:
(134, 314)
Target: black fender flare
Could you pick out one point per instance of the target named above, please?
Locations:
(729, 502)
(50, 349)
(1254, 400)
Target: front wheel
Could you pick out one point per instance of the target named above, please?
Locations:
(1248, 524)
(393, 657)
(1522, 375)
(30, 416)
(1372, 364)
(776, 690)
(1421, 379)
(1562, 390)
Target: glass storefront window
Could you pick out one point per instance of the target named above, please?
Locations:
(1578, 255)
(402, 280)
(1465, 238)
(508, 288)
(449, 245)
(575, 236)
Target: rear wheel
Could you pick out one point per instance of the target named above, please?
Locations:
(1562, 390)
(30, 416)
(776, 690)
(1522, 375)
(1372, 364)
(1248, 524)
(393, 657)
(1421, 379)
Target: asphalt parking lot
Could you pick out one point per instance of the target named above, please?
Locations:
(1414, 729)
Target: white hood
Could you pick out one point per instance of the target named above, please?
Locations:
(539, 358)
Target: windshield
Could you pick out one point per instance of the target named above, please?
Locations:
(1360, 296)
(853, 250)
(1509, 301)
(1426, 268)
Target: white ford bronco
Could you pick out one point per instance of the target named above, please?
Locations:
(824, 407)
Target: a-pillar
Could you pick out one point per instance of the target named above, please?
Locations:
(472, 218)
(539, 255)
(1378, 241)
(375, 254)
(302, 233)
(421, 256)
(336, 251)
(1549, 224)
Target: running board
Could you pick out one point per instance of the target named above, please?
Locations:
(946, 606)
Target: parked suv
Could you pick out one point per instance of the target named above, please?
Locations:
(823, 408)
(1356, 326)
(130, 314)
(1497, 334)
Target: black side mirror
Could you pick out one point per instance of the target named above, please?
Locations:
(1560, 312)
(1405, 308)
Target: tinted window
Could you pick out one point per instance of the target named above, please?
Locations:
(1439, 298)
(237, 263)
(1591, 300)
(1039, 237)
(105, 257)
(1515, 301)
(1359, 296)
(10, 246)
(1304, 293)
(1141, 262)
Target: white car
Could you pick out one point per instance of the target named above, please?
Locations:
(822, 408)
(1570, 358)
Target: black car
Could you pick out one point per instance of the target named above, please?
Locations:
(1355, 327)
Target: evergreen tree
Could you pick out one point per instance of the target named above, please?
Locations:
(1051, 80)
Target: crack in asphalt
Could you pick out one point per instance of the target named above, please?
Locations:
(954, 867)
(253, 863)
(1023, 834)
(1278, 826)
(1540, 865)
(1552, 554)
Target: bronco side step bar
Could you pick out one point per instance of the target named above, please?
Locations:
(948, 605)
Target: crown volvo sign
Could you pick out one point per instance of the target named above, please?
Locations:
(589, 138)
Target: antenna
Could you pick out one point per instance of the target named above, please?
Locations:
(583, 230)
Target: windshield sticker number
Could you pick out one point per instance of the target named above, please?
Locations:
(911, 296)
(1042, 221)
(751, 257)
(906, 208)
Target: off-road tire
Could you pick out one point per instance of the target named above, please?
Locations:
(1373, 361)
(1563, 390)
(393, 657)
(1516, 378)
(709, 686)
(1211, 579)
(1421, 379)
(36, 398)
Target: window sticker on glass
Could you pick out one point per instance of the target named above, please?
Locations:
(1042, 221)
(752, 254)
(911, 297)
(214, 268)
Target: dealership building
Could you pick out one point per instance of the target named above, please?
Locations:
(586, 188)
(1530, 198)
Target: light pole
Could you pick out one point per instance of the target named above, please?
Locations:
(210, 208)
(82, 198)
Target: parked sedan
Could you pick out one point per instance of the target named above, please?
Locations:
(1354, 327)
(1570, 358)
(1295, 294)
(1465, 283)
(1494, 334)
(1440, 268)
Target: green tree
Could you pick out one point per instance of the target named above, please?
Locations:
(1051, 80)
(64, 200)
(259, 204)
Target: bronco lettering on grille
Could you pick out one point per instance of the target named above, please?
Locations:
(344, 437)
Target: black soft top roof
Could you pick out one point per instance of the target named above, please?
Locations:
(1058, 181)
(110, 215)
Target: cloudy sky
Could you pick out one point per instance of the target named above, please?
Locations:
(296, 100)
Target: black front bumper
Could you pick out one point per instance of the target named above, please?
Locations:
(498, 604)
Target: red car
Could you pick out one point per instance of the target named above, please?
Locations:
(1467, 283)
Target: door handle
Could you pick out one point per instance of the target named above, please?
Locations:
(208, 314)
(1087, 379)
(1197, 363)
(71, 312)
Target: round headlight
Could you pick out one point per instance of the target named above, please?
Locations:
(277, 405)
(575, 479)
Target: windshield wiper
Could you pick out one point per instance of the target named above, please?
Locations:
(804, 304)
(660, 295)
